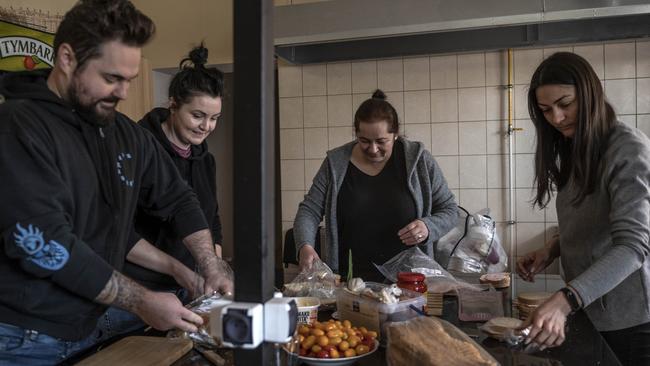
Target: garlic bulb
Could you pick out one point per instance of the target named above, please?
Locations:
(356, 285)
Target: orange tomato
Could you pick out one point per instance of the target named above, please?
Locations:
(361, 349)
(317, 332)
(334, 333)
(354, 341)
(322, 341)
(350, 353)
(308, 342)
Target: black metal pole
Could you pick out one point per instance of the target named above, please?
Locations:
(279, 268)
(254, 161)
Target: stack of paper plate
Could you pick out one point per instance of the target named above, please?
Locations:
(434, 303)
(527, 302)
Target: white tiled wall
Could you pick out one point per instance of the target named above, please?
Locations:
(457, 106)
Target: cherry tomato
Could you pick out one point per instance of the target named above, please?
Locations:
(350, 352)
(361, 349)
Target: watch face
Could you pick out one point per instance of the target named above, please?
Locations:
(570, 296)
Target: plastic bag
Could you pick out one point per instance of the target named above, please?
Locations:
(318, 281)
(415, 260)
(431, 341)
(202, 306)
(473, 246)
(516, 340)
(479, 305)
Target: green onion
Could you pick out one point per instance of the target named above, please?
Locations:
(350, 265)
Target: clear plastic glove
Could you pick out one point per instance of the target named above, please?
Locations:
(317, 281)
(307, 256)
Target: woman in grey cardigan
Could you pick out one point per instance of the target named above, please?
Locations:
(601, 170)
(379, 195)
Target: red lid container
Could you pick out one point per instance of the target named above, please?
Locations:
(410, 277)
(412, 281)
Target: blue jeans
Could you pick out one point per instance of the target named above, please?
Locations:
(26, 347)
(116, 321)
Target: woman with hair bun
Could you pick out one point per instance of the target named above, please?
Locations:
(379, 194)
(195, 100)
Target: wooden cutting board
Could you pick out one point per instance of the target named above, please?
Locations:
(140, 351)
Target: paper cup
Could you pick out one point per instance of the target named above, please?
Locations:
(307, 309)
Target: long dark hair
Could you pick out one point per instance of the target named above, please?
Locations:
(377, 109)
(195, 79)
(559, 160)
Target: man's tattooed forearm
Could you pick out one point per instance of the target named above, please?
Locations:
(109, 293)
(122, 292)
(201, 247)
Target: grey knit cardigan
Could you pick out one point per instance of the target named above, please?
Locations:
(434, 202)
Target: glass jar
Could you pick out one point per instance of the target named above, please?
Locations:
(412, 281)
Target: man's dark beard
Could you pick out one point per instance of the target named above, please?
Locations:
(89, 112)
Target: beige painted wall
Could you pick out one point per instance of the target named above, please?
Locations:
(180, 26)
(53, 6)
(183, 24)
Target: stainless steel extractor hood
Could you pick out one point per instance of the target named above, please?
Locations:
(356, 29)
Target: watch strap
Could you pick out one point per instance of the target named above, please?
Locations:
(571, 298)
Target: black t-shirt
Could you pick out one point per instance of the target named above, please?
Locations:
(371, 210)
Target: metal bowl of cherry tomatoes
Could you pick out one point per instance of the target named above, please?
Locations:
(332, 343)
(341, 361)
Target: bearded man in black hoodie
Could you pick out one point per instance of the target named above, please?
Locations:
(73, 172)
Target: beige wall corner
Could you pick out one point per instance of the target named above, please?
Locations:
(180, 26)
(140, 96)
(183, 25)
(57, 6)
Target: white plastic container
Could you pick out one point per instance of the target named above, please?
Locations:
(307, 309)
(374, 315)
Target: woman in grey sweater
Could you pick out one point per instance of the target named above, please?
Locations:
(379, 195)
(601, 171)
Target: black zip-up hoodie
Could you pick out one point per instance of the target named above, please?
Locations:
(68, 193)
(199, 171)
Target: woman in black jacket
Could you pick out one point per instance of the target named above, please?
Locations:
(195, 97)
